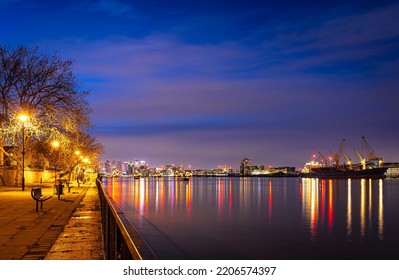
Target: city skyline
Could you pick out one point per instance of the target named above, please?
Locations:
(141, 169)
(208, 84)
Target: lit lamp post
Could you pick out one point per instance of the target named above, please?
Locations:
(55, 145)
(77, 153)
(86, 162)
(23, 118)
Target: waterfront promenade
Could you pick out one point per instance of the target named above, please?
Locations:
(66, 229)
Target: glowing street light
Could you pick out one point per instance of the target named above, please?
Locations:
(23, 119)
(56, 145)
(59, 187)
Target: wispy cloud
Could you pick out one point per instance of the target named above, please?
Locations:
(327, 77)
(337, 42)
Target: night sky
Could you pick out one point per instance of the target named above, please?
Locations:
(208, 83)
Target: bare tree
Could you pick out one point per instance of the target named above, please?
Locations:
(82, 145)
(43, 87)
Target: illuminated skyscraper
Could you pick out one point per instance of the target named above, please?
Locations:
(245, 167)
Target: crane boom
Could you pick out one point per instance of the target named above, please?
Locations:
(323, 160)
(372, 159)
(361, 158)
(369, 151)
(338, 154)
(348, 160)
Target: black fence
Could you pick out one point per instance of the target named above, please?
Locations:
(121, 239)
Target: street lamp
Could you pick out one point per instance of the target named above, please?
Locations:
(58, 187)
(23, 118)
(76, 174)
(55, 145)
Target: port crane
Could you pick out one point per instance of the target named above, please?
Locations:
(371, 157)
(361, 158)
(337, 156)
(324, 162)
(369, 151)
(348, 160)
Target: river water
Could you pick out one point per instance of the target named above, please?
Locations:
(263, 218)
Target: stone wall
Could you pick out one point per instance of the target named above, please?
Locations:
(7, 176)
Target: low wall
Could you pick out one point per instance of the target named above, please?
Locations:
(7, 176)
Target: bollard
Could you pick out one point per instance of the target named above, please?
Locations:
(60, 190)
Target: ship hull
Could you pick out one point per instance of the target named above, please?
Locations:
(329, 173)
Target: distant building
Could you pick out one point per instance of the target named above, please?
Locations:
(169, 170)
(107, 166)
(256, 171)
(245, 167)
(224, 170)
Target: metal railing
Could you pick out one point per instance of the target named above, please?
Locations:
(121, 240)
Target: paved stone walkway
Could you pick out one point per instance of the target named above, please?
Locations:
(50, 233)
(81, 238)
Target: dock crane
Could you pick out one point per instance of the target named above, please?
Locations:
(371, 157)
(337, 156)
(323, 160)
(361, 158)
(348, 160)
(369, 151)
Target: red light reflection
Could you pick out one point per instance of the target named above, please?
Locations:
(330, 205)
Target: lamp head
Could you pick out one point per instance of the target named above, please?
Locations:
(23, 118)
(55, 144)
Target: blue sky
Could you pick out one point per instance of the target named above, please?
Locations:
(208, 83)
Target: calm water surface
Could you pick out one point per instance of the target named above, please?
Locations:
(263, 218)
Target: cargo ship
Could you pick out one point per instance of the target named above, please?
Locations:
(370, 167)
(344, 173)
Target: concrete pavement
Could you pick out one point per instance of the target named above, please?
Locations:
(65, 229)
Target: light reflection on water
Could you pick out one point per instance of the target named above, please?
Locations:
(262, 218)
(319, 199)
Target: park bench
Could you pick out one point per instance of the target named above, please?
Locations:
(60, 185)
(39, 197)
(69, 187)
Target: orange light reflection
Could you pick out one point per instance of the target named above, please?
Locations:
(349, 210)
(380, 210)
(362, 207)
(188, 199)
(322, 202)
(270, 201)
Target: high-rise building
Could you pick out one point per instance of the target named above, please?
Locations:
(107, 166)
(245, 167)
